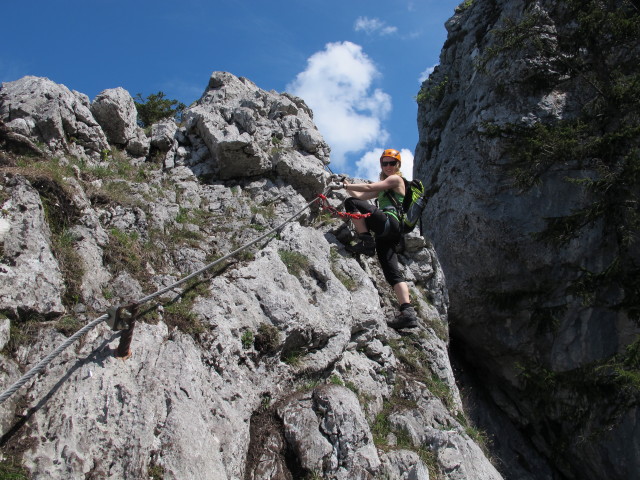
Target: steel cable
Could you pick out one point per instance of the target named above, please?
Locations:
(45, 361)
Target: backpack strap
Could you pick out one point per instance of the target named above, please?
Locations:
(407, 192)
(397, 206)
(399, 210)
(392, 199)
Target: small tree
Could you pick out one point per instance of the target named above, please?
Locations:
(156, 107)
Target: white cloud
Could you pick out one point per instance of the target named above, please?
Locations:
(407, 163)
(368, 167)
(424, 75)
(337, 85)
(373, 26)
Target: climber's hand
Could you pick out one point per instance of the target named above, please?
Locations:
(336, 186)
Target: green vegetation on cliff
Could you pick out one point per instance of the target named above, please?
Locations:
(598, 57)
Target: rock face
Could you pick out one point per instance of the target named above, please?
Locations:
(529, 216)
(277, 364)
(51, 114)
(250, 132)
(115, 111)
(32, 280)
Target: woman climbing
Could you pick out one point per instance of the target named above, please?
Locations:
(385, 225)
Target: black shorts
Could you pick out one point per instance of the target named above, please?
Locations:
(386, 244)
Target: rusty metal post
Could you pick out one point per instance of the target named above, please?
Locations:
(124, 350)
(131, 311)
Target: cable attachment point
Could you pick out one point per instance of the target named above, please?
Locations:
(122, 316)
(335, 182)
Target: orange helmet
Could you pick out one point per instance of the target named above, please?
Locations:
(390, 152)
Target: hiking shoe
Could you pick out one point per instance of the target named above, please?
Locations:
(366, 246)
(407, 318)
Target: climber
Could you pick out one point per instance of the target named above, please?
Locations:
(384, 223)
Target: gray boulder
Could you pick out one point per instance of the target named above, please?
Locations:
(330, 435)
(244, 126)
(163, 134)
(50, 114)
(404, 465)
(115, 111)
(303, 171)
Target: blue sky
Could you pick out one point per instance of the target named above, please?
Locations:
(357, 64)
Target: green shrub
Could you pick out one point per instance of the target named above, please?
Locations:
(381, 427)
(11, 470)
(182, 216)
(463, 6)
(156, 107)
(267, 210)
(22, 332)
(432, 91)
(292, 357)
(155, 472)
(70, 263)
(411, 353)
(124, 252)
(247, 339)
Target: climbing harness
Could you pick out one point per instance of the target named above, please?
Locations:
(123, 317)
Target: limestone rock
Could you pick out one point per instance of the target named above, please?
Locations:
(5, 326)
(243, 126)
(330, 435)
(51, 114)
(138, 146)
(517, 309)
(404, 465)
(18, 142)
(115, 111)
(163, 134)
(275, 363)
(304, 172)
(30, 278)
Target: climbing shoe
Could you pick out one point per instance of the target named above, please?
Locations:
(366, 246)
(407, 318)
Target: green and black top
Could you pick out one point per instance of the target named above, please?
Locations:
(385, 204)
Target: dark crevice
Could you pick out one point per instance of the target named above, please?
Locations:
(510, 448)
(268, 449)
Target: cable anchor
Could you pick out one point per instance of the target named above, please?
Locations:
(121, 316)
